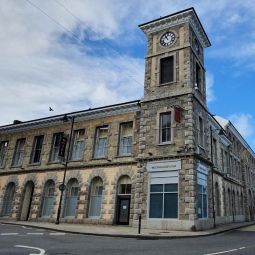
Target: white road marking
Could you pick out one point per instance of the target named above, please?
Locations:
(228, 251)
(26, 227)
(9, 234)
(38, 234)
(57, 234)
(42, 251)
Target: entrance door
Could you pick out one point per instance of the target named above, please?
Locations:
(123, 210)
(27, 201)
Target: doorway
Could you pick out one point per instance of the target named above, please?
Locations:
(27, 201)
(123, 210)
(123, 200)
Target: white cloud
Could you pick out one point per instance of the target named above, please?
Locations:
(41, 66)
(244, 123)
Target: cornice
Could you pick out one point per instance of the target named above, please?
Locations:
(79, 116)
(187, 16)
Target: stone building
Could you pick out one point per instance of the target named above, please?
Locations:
(164, 157)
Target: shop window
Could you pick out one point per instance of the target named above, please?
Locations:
(202, 203)
(164, 200)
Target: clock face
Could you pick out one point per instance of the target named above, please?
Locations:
(167, 39)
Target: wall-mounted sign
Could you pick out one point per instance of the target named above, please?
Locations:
(162, 166)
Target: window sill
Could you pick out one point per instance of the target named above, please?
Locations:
(166, 84)
(124, 156)
(167, 143)
(103, 158)
(19, 166)
(75, 160)
(34, 164)
(54, 163)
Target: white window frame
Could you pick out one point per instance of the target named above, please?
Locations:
(19, 152)
(3, 152)
(77, 140)
(121, 137)
(97, 142)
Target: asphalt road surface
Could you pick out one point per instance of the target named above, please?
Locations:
(18, 240)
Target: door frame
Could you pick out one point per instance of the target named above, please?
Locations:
(119, 198)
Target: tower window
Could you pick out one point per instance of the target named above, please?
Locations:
(198, 81)
(165, 127)
(166, 70)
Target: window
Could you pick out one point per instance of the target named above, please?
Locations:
(96, 194)
(166, 70)
(78, 144)
(48, 198)
(165, 127)
(19, 152)
(164, 200)
(37, 149)
(3, 150)
(125, 143)
(222, 160)
(101, 142)
(200, 132)
(56, 141)
(198, 77)
(214, 152)
(8, 200)
(202, 195)
(71, 197)
(124, 185)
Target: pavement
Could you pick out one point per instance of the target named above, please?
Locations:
(126, 231)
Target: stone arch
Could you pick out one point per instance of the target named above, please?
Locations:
(96, 197)
(8, 199)
(27, 199)
(72, 193)
(74, 174)
(217, 199)
(48, 198)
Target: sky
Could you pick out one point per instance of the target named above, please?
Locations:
(77, 54)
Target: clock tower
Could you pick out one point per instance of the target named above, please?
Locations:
(173, 117)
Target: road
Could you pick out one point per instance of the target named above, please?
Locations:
(18, 240)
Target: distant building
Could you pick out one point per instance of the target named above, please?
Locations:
(164, 157)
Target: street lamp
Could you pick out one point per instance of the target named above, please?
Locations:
(62, 185)
(212, 166)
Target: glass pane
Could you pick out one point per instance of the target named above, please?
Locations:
(95, 206)
(205, 206)
(156, 204)
(166, 72)
(171, 205)
(171, 187)
(156, 187)
(128, 189)
(199, 206)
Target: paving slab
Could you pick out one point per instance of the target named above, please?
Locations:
(126, 231)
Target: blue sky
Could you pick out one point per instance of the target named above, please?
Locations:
(72, 55)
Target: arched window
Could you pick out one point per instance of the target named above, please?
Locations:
(48, 198)
(242, 205)
(217, 199)
(234, 204)
(229, 203)
(72, 192)
(96, 193)
(8, 199)
(124, 185)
